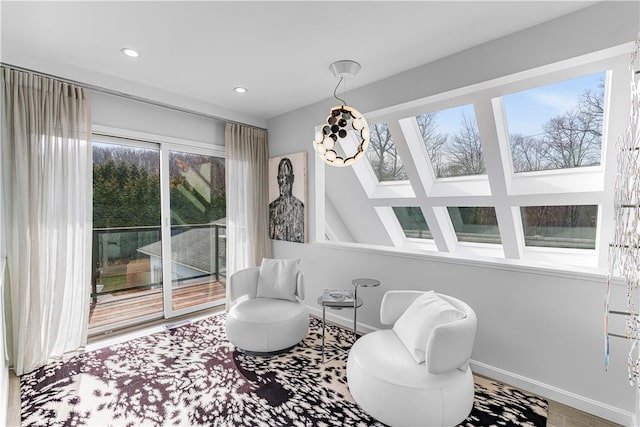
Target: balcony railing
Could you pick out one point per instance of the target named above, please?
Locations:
(129, 259)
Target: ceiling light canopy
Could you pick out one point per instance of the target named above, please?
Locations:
(130, 52)
(240, 89)
(345, 68)
(340, 121)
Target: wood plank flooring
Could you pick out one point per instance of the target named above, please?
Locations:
(565, 416)
(129, 306)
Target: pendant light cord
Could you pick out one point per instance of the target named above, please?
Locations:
(334, 91)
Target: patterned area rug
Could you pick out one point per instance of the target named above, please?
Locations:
(192, 376)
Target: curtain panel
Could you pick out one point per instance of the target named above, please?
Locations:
(47, 213)
(247, 169)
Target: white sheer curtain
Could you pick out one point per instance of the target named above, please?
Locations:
(247, 173)
(47, 191)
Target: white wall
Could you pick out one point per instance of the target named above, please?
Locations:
(119, 112)
(537, 329)
(76, 72)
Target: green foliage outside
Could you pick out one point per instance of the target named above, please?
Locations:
(125, 195)
(189, 206)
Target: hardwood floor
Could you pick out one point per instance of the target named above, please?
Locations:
(565, 416)
(128, 306)
(560, 415)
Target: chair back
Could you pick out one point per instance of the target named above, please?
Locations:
(300, 285)
(449, 346)
(395, 303)
(244, 284)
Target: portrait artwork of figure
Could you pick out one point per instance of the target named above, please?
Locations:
(286, 212)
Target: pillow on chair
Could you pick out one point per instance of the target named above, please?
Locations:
(421, 317)
(277, 279)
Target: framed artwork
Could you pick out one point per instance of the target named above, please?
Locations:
(288, 197)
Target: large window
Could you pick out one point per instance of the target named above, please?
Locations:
(519, 168)
(126, 216)
(475, 224)
(383, 156)
(560, 226)
(412, 222)
(452, 141)
(557, 126)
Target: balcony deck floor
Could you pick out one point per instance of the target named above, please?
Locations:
(129, 306)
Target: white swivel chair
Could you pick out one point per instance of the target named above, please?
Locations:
(263, 325)
(388, 383)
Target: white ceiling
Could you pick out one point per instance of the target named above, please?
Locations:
(280, 51)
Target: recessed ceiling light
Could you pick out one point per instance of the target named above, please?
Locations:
(130, 52)
(240, 89)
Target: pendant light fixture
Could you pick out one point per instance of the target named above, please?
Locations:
(340, 121)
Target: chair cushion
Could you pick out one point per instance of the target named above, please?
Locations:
(277, 279)
(266, 324)
(266, 310)
(415, 325)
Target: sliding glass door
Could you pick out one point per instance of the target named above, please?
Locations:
(197, 234)
(159, 231)
(127, 277)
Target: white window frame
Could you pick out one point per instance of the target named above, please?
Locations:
(501, 188)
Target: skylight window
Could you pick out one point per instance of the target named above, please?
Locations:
(452, 141)
(412, 222)
(475, 224)
(560, 226)
(383, 157)
(517, 168)
(557, 126)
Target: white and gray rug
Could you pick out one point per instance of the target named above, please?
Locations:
(193, 376)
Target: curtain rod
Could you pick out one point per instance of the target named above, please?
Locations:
(127, 95)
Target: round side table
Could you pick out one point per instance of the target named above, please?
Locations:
(357, 302)
(363, 283)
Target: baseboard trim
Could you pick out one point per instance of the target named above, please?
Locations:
(599, 409)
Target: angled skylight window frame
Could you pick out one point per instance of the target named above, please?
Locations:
(383, 155)
(397, 233)
(562, 180)
(411, 220)
(452, 139)
(558, 125)
(503, 188)
(465, 185)
(368, 179)
(560, 226)
(471, 223)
